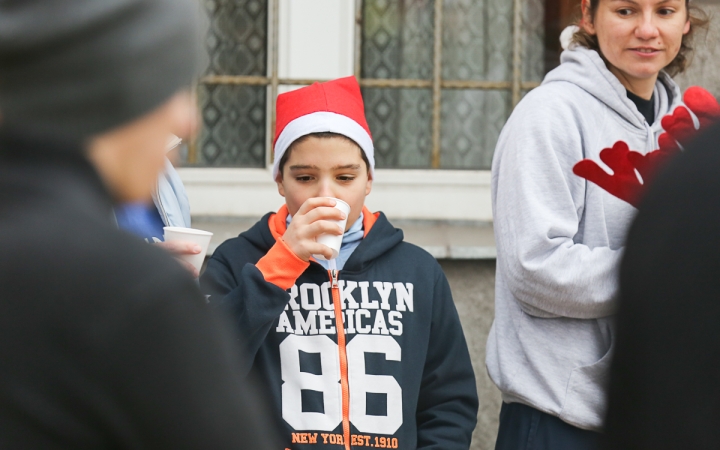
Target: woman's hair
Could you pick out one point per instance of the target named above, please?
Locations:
(698, 20)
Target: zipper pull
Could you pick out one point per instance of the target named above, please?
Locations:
(334, 275)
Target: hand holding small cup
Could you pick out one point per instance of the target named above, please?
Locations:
(317, 217)
(187, 245)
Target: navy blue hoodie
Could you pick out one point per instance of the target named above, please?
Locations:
(395, 372)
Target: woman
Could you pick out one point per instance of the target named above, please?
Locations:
(559, 237)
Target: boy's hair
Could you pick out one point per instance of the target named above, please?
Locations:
(322, 135)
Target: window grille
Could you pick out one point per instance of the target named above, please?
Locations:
(439, 78)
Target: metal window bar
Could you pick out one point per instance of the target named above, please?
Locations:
(517, 51)
(372, 82)
(437, 84)
(274, 37)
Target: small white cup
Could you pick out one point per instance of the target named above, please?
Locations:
(331, 240)
(200, 237)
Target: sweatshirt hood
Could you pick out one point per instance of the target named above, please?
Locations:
(586, 69)
(380, 236)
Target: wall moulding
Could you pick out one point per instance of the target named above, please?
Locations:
(401, 194)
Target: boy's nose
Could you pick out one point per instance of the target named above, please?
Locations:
(325, 190)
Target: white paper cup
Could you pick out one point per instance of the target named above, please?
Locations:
(331, 240)
(200, 237)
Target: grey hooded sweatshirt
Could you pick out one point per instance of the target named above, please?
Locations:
(560, 238)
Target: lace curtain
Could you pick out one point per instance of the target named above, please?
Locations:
(397, 43)
(233, 117)
(477, 45)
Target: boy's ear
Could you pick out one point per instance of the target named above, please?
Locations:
(368, 185)
(281, 188)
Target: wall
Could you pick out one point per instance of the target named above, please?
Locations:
(705, 66)
(473, 287)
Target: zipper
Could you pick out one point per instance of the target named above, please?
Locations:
(342, 353)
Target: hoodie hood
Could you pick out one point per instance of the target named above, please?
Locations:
(380, 239)
(586, 69)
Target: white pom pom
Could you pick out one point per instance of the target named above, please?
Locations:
(567, 35)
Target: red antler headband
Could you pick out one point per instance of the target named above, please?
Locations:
(679, 128)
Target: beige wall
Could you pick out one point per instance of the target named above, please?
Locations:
(704, 69)
(473, 287)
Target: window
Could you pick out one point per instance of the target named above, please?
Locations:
(439, 77)
(232, 98)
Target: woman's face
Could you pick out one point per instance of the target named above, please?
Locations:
(639, 37)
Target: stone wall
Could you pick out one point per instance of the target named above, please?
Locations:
(473, 287)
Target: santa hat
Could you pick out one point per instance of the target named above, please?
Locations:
(335, 106)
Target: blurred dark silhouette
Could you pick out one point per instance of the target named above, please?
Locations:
(105, 342)
(665, 377)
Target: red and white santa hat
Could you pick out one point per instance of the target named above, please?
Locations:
(335, 106)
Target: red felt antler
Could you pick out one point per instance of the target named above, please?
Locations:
(679, 130)
(623, 183)
(703, 104)
(679, 126)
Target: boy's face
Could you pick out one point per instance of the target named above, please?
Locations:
(325, 167)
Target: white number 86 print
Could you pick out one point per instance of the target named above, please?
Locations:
(294, 381)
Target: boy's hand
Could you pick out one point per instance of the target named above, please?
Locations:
(313, 219)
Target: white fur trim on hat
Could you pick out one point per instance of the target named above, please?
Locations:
(323, 122)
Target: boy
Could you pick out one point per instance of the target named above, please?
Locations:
(370, 354)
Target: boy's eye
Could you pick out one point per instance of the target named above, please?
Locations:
(346, 177)
(303, 178)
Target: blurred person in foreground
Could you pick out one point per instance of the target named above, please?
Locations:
(665, 376)
(105, 342)
(169, 207)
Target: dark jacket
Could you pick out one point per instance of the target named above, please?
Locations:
(105, 341)
(395, 373)
(665, 376)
